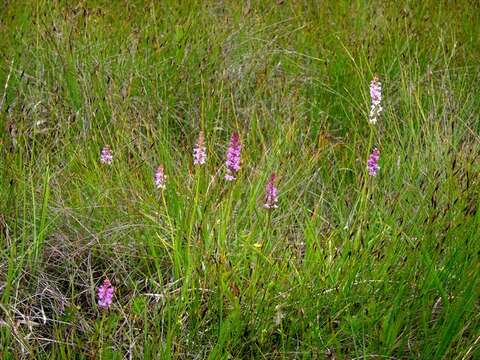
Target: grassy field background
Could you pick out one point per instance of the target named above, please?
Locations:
(347, 267)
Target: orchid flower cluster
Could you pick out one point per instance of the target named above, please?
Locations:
(232, 165)
(233, 155)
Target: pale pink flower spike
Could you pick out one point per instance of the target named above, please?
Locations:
(233, 157)
(105, 294)
(160, 178)
(271, 194)
(376, 98)
(372, 163)
(106, 156)
(199, 151)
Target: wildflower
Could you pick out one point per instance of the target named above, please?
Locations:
(233, 157)
(372, 163)
(105, 294)
(376, 97)
(199, 153)
(160, 178)
(271, 196)
(106, 155)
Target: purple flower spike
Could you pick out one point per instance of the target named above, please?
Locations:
(105, 294)
(233, 157)
(372, 163)
(376, 96)
(106, 155)
(199, 151)
(160, 178)
(271, 195)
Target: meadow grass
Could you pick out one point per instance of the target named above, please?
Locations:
(347, 267)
